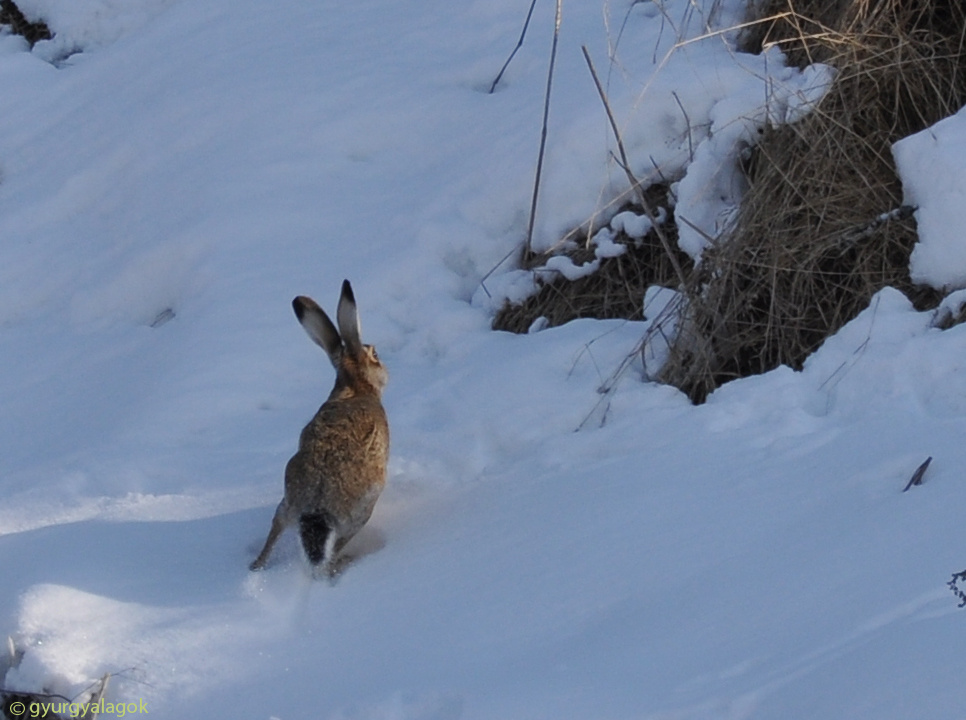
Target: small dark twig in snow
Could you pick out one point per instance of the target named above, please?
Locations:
(523, 34)
(687, 121)
(916, 478)
(856, 354)
(528, 247)
(494, 269)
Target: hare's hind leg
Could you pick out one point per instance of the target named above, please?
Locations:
(279, 521)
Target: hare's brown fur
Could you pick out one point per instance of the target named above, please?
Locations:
(334, 479)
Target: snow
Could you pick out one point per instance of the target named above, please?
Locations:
(661, 307)
(84, 26)
(752, 92)
(930, 164)
(605, 247)
(167, 190)
(637, 226)
(565, 266)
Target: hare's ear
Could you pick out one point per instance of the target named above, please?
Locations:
(318, 326)
(348, 318)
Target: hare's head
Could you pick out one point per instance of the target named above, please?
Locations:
(357, 367)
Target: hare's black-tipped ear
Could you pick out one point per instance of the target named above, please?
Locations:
(348, 318)
(318, 326)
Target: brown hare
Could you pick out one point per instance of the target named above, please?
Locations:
(333, 481)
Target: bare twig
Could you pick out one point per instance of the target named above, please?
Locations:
(850, 238)
(687, 121)
(528, 245)
(526, 24)
(494, 269)
(916, 478)
(635, 183)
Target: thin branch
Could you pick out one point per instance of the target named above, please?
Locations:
(635, 183)
(855, 235)
(494, 269)
(917, 476)
(687, 121)
(528, 247)
(526, 24)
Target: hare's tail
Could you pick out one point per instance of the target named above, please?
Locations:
(318, 537)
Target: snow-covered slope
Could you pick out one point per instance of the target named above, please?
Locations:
(167, 190)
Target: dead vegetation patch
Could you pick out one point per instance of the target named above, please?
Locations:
(822, 227)
(615, 290)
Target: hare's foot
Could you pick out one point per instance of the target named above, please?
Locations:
(278, 525)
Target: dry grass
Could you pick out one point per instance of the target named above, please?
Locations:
(615, 290)
(810, 249)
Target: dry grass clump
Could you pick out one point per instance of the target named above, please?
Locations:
(615, 290)
(822, 227)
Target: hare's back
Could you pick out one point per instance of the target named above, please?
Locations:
(341, 463)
